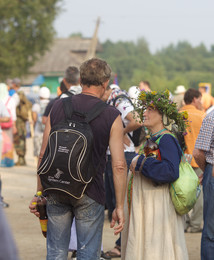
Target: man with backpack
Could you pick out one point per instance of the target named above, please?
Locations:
(85, 198)
(120, 99)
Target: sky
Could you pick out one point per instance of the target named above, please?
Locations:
(160, 22)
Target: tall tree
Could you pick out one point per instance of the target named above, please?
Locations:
(26, 30)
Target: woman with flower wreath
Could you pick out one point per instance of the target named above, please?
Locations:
(153, 229)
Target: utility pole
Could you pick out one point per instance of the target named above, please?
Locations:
(93, 45)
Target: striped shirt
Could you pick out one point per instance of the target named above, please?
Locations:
(205, 140)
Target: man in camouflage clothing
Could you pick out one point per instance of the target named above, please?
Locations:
(22, 111)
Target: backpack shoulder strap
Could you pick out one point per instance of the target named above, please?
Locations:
(95, 111)
(158, 140)
(121, 96)
(92, 114)
(67, 106)
(68, 93)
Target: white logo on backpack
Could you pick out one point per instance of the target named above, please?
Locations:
(58, 173)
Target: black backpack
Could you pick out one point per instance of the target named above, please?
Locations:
(67, 163)
(139, 133)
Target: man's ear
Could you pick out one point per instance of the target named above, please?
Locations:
(193, 101)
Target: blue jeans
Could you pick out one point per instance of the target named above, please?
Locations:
(89, 217)
(207, 240)
(109, 185)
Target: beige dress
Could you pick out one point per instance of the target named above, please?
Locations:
(153, 230)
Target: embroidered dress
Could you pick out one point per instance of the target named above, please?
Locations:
(153, 229)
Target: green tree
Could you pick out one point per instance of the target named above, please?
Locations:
(126, 57)
(76, 35)
(26, 30)
(179, 64)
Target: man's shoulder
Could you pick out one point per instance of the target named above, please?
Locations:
(55, 103)
(192, 110)
(209, 116)
(112, 109)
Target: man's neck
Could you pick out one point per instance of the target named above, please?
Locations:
(95, 91)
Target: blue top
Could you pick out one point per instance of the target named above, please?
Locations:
(11, 92)
(166, 170)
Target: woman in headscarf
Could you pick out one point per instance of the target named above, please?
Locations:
(153, 229)
(8, 128)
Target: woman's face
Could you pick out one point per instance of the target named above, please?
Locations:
(152, 118)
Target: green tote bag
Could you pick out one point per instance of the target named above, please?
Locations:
(186, 189)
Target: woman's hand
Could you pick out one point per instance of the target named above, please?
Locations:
(133, 163)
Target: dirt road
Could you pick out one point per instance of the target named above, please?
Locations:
(19, 185)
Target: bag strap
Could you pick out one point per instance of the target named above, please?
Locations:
(68, 93)
(158, 140)
(95, 111)
(7, 101)
(67, 106)
(88, 116)
(121, 96)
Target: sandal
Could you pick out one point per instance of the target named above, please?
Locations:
(103, 256)
(112, 254)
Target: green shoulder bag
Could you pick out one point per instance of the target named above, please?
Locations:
(186, 189)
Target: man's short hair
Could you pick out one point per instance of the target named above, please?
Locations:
(94, 72)
(72, 75)
(190, 94)
(146, 83)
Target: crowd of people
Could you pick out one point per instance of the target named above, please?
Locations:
(132, 187)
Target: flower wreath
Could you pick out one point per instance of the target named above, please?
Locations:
(161, 101)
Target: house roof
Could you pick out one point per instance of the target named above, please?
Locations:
(62, 53)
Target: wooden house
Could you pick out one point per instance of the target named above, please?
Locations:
(64, 52)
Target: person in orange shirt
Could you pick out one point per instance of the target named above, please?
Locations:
(193, 106)
(207, 99)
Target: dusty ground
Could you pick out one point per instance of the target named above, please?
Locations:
(19, 185)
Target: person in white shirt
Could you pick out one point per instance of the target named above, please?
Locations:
(37, 113)
(130, 123)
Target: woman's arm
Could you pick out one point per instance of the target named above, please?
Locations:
(167, 169)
